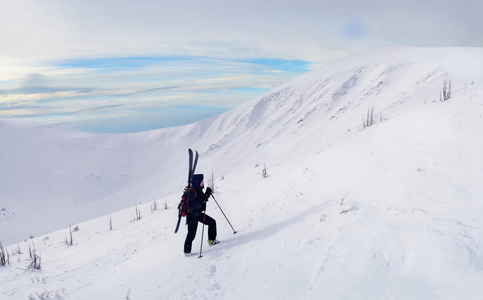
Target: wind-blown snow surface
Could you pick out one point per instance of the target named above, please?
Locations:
(392, 211)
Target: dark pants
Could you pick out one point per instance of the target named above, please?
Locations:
(193, 226)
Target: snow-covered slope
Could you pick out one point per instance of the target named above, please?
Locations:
(389, 211)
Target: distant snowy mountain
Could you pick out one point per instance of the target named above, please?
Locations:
(348, 211)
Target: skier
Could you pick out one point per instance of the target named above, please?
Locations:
(196, 206)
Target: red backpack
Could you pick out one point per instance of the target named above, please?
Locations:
(182, 209)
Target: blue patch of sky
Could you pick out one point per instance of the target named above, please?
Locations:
(290, 66)
(244, 90)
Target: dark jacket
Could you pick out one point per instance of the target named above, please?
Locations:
(196, 201)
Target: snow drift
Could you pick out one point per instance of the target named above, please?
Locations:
(348, 211)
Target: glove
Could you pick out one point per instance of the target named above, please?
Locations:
(208, 192)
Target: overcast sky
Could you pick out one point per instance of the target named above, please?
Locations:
(123, 66)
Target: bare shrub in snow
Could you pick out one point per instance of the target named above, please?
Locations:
(445, 92)
(69, 241)
(35, 259)
(138, 214)
(342, 201)
(31, 250)
(264, 172)
(137, 217)
(16, 251)
(35, 263)
(211, 182)
(4, 256)
(370, 118)
(155, 205)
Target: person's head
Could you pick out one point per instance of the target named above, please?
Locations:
(197, 181)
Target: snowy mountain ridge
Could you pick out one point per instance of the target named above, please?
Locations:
(389, 211)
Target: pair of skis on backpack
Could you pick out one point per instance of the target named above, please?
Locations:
(191, 171)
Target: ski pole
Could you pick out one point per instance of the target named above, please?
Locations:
(223, 213)
(202, 233)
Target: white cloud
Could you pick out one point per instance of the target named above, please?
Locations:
(80, 90)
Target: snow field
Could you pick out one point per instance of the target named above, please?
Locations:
(392, 211)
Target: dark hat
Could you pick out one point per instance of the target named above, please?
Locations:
(196, 180)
